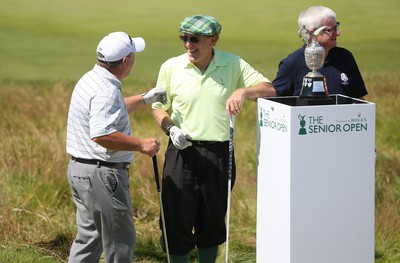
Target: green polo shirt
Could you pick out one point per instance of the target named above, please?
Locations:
(196, 101)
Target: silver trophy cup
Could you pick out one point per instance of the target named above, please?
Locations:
(314, 83)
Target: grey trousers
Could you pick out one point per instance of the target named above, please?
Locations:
(104, 214)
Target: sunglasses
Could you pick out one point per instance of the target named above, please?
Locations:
(332, 29)
(191, 39)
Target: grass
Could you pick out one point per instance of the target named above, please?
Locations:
(46, 47)
(37, 36)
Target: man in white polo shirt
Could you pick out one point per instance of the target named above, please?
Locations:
(101, 145)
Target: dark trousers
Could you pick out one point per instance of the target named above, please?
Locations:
(194, 194)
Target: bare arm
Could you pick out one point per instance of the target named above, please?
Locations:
(162, 118)
(134, 102)
(235, 102)
(122, 142)
(155, 94)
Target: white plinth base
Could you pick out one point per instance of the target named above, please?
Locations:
(315, 181)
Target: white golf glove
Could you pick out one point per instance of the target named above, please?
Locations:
(155, 95)
(179, 138)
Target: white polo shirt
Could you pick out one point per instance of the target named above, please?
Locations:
(97, 108)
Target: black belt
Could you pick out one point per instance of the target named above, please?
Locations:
(123, 165)
(204, 142)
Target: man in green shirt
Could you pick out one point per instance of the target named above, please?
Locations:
(205, 86)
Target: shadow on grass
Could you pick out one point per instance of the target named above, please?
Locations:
(57, 247)
(149, 251)
(146, 251)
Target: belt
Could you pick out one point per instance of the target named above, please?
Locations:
(204, 142)
(99, 163)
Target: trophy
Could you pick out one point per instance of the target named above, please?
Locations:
(314, 83)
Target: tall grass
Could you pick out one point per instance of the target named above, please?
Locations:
(38, 212)
(384, 90)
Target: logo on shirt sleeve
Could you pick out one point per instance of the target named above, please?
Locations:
(344, 78)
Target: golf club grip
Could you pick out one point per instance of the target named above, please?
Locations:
(232, 122)
(155, 166)
(231, 135)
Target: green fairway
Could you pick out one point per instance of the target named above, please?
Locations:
(53, 40)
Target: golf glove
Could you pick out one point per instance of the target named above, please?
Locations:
(179, 138)
(155, 95)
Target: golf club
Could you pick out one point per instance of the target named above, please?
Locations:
(228, 212)
(164, 230)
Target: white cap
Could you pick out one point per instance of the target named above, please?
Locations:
(117, 45)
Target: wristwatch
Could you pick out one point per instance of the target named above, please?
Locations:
(169, 126)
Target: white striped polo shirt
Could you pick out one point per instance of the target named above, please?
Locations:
(97, 108)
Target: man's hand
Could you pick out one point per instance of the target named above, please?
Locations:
(149, 146)
(179, 138)
(155, 95)
(119, 141)
(234, 104)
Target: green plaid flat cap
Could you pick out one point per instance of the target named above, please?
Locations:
(200, 25)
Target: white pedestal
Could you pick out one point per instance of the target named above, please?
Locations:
(315, 180)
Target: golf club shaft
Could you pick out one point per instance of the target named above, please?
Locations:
(155, 166)
(228, 212)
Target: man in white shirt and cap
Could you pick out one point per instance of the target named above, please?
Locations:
(101, 146)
